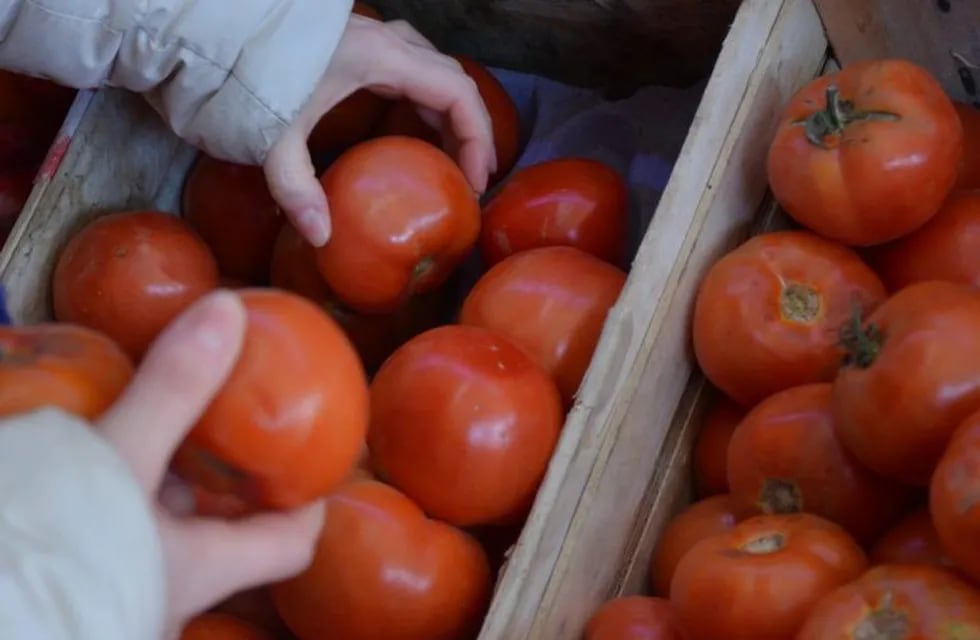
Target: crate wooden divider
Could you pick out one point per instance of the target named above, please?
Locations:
(622, 466)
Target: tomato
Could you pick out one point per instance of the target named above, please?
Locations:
(73, 368)
(634, 618)
(382, 570)
(897, 602)
(701, 520)
(573, 202)
(129, 274)
(785, 457)
(402, 119)
(767, 314)
(374, 336)
(913, 540)
(366, 10)
(289, 423)
(954, 497)
(552, 302)
(231, 207)
(969, 177)
(403, 218)
(255, 607)
(759, 580)
(945, 248)
(910, 378)
(219, 626)
(867, 154)
(710, 456)
(465, 424)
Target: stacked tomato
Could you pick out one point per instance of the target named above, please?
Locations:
(426, 420)
(839, 466)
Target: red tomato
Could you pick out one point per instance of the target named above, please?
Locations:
(709, 517)
(289, 423)
(969, 177)
(552, 302)
(256, 607)
(759, 580)
(900, 602)
(945, 248)
(73, 368)
(129, 274)
(634, 618)
(910, 378)
(366, 10)
(767, 315)
(912, 541)
(382, 570)
(231, 207)
(403, 218)
(219, 626)
(954, 497)
(374, 336)
(710, 456)
(402, 119)
(785, 457)
(464, 423)
(867, 154)
(573, 202)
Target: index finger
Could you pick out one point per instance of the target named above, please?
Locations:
(183, 370)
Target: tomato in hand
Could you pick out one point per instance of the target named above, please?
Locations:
(575, 202)
(785, 457)
(969, 177)
(464, 423)
(910, 378)
(912, 541)
(383, 570)
(403, 218)
(73, 368)
(710, 456)
(897, 602)
(867, 154)
(552, 302)
(954, 497)
(701, 520)
(945, 248)
(220, 626)
(255, 607)
(129, 274)
(634, 618)
(759, 580)
(374, 336)
(289, 423)
(230, 206)
(767, 314)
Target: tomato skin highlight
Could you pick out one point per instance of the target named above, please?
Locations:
(634, 618)
(910, 380)
(768, 314)
(403, 218)
(867, 154)
(953, 494)
(464, 423)
(574, 202)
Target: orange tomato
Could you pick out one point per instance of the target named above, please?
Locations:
(954, 497)
(465, 424)
(710, 456)
(73, 368)
(552, 302)
(912, 541)
(129, 274)
(219, 626)
(969, 177)
(634, 618)
(382, 570)
(759, 580)
(366, 10)
(403, 218)
(768, 315)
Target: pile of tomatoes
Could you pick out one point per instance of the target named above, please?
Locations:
(839, 466)
(427, 422)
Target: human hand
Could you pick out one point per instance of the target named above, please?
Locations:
(392, 60)
(206, 559)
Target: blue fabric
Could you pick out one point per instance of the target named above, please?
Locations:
(4, 316)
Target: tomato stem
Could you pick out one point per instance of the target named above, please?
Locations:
(780, 495)
(883, 624)
(838, 114)
(861, 344)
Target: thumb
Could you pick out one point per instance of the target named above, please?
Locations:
(293, 184)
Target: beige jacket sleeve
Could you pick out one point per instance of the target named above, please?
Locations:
(227, 75)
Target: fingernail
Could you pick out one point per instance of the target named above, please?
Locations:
(315, 226)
